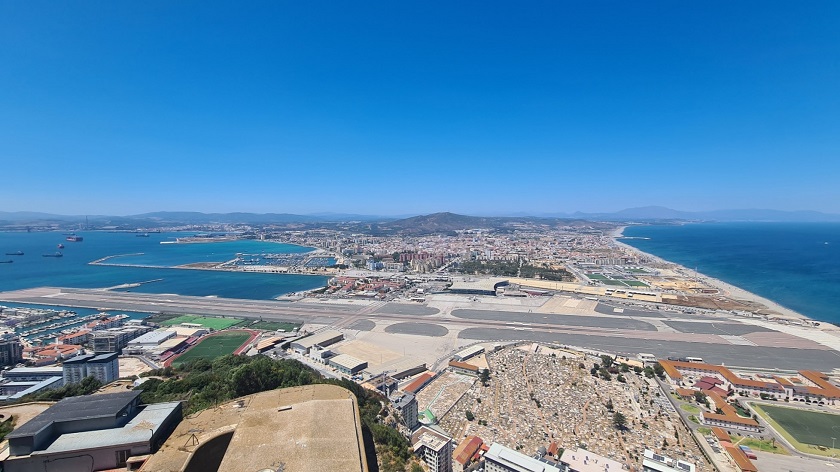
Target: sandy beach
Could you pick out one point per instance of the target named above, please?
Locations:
(773, 308)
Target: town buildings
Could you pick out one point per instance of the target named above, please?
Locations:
(104, 367)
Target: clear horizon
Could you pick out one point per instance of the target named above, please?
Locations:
(476, 108)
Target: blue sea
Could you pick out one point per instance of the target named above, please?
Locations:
(797, 265)
(74, 270)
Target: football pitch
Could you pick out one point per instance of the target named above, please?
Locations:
(804, 426)
(213, 346)
(206, 321)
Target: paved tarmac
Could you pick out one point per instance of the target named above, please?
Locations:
(409, 310)
(362, 325)
(615, 322)
(734, 329)
(727, 354)
(631, 310)
(419, 329)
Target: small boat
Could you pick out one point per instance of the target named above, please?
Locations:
(142, 235)
(57, 254)
(16, 253)
(61, 246)
(6, 262)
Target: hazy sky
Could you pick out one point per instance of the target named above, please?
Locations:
(124, 107)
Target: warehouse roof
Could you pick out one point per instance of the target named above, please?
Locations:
(77, 408)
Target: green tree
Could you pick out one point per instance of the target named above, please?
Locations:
(606, 360)
(484, 377)
(659, 370)
(469, 415)
(619, 420)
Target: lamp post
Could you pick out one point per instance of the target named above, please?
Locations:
(832, 442)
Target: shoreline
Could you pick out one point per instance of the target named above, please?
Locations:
(726, 288)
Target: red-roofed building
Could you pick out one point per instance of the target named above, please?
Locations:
(463, 368)
(467, 452)
(728, 418)
(417, 384)
(815, 388)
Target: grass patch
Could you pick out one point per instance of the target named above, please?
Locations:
(635, 283)
(689, 408)
(7, 426)
(704, 431)
(613, 282)
(214, 346)
(287, 326)
(808, 431)
(693, 419)
(759, 445)
(160, 318)
(596, 276)
(206, 321)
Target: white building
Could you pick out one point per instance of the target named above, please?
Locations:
(654, 462)
(581, 460)
(503, 459)
(434, 448)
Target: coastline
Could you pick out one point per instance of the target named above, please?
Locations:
(726, 288)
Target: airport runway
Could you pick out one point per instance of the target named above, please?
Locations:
(610, 331)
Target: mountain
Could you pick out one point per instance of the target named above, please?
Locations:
(446, 222)
(659, 213)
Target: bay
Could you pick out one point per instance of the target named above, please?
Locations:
(73, 268)
(797, 265)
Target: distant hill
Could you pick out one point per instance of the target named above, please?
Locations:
(651, 213)
(447, 222)
(415, 225)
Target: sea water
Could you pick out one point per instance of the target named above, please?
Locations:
(74, 270)
(797, 265)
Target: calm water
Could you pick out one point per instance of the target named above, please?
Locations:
(794, 264)
(73, 270)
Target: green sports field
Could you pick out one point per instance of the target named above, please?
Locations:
(214, 346)
(804, 426)
(206, 321)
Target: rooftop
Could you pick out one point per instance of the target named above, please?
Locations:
(520, 462)
(77, 408)
(585, 461)
(313, 427)
(138, 430)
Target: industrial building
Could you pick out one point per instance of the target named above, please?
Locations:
(90, 433)
(470, 286)
(502, 459)
(149, 340)
(347, 364)
(22, 381)
(103, 367)
(320, 340)
(434, 448)
(469, 352)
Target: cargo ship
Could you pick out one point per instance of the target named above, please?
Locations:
(57, 254)
(6, 262)
(75, 239)
(16, 253)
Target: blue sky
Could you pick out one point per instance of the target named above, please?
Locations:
(413, 107)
